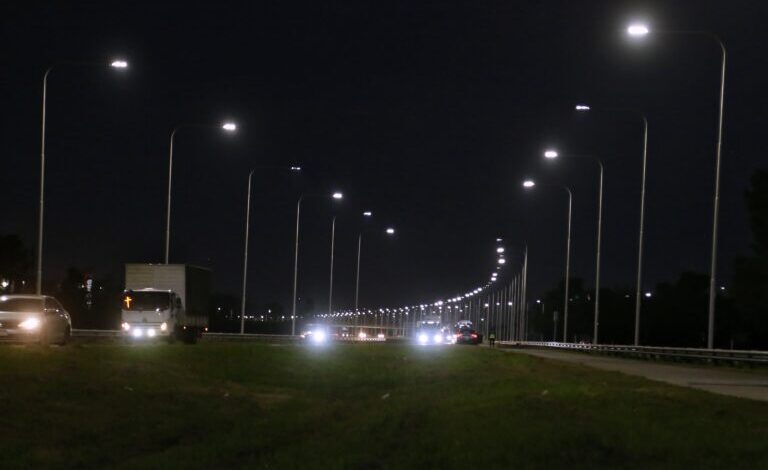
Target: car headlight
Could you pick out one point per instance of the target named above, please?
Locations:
(438, 338)
(30, 324)
(423, 338)
(126, 326)
(362, 335)
(319, 336)
(164, 326)
(151, 332)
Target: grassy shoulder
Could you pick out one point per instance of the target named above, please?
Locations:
(355, 406)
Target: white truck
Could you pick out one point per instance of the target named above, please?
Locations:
(165, 300)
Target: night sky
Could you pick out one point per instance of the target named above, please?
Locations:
(429, 114)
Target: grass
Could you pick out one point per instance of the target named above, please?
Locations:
(354, 406)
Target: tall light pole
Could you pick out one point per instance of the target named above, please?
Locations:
(528, 184)
(641, 230)
(330, 285)
(336, 196)
(389, 231)
(116, 64)
(226, 126)
(247, 232)
(553, 154)
(642, 30)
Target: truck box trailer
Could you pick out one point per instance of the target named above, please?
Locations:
(165, 300)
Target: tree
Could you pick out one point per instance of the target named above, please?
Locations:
(15, 262)
(750, 282)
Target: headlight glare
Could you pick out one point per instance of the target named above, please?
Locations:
(30, 324)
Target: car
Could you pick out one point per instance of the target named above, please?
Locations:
(34, 318)
(467, 335)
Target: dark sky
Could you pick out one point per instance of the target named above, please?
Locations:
(427, 113)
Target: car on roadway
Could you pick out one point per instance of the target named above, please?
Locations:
(34, 319)
(429, 334)
(467, 335)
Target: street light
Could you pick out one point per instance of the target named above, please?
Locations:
(118, 64)
(551, 154)
(598, 238)
(390, 231)
(228, 127)
(336, 196)
(642, 30)
(531, 184)
(641, 232)
(247, 233)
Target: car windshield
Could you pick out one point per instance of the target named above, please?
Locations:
(146, 300)
(10, 304)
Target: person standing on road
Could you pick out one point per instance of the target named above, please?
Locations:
(492, 339)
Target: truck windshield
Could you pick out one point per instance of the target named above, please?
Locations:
(146, 300)
(11, 304)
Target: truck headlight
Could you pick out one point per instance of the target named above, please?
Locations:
(423, 338)
(319, 336)
(163, 326)
(30, 324)
(151, 332)
(438, 338)
(137, 333)
(126, 326)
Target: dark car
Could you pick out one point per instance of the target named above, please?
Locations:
(466, 335)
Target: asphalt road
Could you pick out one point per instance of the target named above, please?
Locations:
(725, 381)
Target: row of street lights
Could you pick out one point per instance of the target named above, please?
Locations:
(639, 30)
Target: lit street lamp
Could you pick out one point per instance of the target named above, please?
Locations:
(117, 64)
(642, 30)
(247, 232)
(640, 237)
(226, 126)
(336, 196)
(551, 154)
(531, 184)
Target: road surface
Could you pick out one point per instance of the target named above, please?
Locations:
(720, 380)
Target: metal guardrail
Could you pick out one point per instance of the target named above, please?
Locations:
(651, 352)
(78, 333)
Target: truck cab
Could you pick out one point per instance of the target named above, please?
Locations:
(150, 312)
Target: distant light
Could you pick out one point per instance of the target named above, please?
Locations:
(722, 287)
(500, 249)
(582, 107)
(367, 213)
(502, 261)
(529, 183)
(295, 168)
(337, 195)
(498, 240)
(648, 295)
(390, 231)
(119, 64)
(229, 126)
(637, 30)
(551, 154)
(538, 301)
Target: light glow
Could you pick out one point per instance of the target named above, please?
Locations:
(337, 195)
(582, 107)
(367, 214)
(502, 261)
(164, 326)
(151, 332)
(637, 29)
(529, 183)
(390, 231)
(119, 64)
(229, 126)
(126, 326)
(295, 168)
(551, 154)
(30, 324)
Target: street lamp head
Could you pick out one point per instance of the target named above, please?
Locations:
(367, 214)
(582, 108)
(337, 195)
(529, 183)
(295, 168)
(390, 231)
(119, 64)
(551, 154)
(637, 30)
(502, 261)
(229, 126)
(500, 249)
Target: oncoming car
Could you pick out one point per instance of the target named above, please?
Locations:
(34, 318)
(315, 333)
